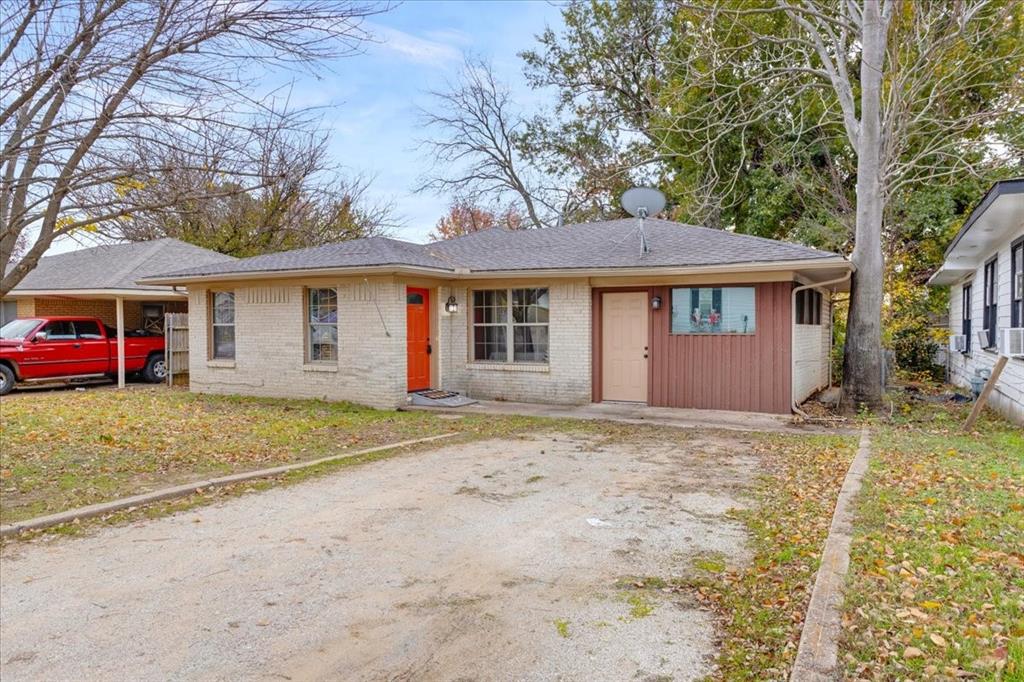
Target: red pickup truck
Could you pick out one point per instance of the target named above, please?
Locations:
(69, 349)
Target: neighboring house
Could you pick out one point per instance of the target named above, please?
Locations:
(704, 318)
(91, 282)
(984, 269)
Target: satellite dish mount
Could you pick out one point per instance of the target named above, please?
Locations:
(642, 202)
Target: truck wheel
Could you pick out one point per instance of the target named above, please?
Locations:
(6, 380)
(155, 370)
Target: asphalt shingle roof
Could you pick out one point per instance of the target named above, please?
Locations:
(607, 244)
(116, 266)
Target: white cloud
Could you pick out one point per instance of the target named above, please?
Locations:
(414, 48)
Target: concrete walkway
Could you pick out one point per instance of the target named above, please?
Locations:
(635, 413)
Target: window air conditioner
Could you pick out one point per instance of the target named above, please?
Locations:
(1013, 342)
(983, 339)
(958, 343)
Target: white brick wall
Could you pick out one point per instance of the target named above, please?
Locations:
(565, 380)
(270, 347)
(1008, 396)
(811, 353)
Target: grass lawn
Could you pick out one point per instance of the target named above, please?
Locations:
(936, 583)
(65, 449)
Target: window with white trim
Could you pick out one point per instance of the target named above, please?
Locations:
(510, 325)
(322, 330)
(222, 323)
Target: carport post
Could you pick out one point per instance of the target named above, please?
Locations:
(120, 342)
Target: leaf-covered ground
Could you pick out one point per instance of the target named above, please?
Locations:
(65, 449)
(936, 583)
(762, 604)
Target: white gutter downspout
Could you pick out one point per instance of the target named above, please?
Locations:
(792, 337)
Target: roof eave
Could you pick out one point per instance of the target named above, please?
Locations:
(461, 273)
(998, 189)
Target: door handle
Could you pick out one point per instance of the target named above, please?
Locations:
(76, 345)
(429, 348)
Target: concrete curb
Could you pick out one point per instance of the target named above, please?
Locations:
(817, 658)
(102, 508)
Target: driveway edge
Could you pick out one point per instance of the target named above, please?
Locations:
(185, 489)
(817, 657)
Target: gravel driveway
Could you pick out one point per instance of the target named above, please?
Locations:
(489, 560)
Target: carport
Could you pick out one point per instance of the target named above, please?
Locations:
(101, 282)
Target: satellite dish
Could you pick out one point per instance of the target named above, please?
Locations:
(643, 201)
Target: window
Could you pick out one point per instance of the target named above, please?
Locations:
(223, 323)
(88, 330)
(719, 310)
(808, 307)
(323, 325)
(153, 318)
(965, 327)
(1017, 283)
(511, 323)
(988, 310)
(62, 330)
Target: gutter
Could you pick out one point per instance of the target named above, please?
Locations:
(792, 336)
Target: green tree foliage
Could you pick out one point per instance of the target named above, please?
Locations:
(640, 98)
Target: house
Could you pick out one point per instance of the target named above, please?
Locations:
(624, 310)
(90, 282)
(984, 269)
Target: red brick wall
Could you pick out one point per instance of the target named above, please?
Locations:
(103, 309)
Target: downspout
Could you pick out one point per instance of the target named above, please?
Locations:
(792, 337)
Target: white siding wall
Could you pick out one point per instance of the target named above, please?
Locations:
(565, 379)
(811, 353)
(1008, 396)
(270, 344)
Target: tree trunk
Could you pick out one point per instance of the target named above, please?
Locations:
(862, 358)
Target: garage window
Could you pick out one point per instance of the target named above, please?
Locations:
(511, 325)
(713, 310)
(222, 305)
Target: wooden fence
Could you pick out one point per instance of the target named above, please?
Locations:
(176, 345)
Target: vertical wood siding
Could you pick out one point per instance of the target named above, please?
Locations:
(717, 371)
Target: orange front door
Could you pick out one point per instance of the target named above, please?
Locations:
(417, 316)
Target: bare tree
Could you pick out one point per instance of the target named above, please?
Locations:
(477, 150)
(298, 200)
(86, 84)
(909, 84)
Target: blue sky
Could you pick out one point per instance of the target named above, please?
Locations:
(373, 98)
(369, 101)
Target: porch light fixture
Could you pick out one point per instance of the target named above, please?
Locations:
(656, 303)
(451, 305)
